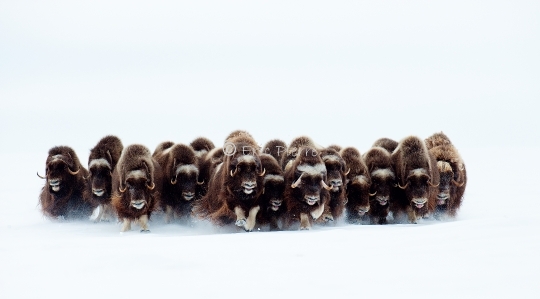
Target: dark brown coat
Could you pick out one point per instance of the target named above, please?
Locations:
(418, 179)
(383, 183)
(101, 163)
(271, 199)
(453, 175)
(207, 163)
(235, 185)
(276, 148)
(306, 190)
(137, 186)
(358, 183)
(180, 168)
(335, 171)
(202, 145)
(65, 193)
(386, 143)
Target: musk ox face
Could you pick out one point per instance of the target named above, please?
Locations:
(358, 192)
(58, 173)
(100, 177)
(274, 186)
(382, 182)
(309, 183)
(185, 181)
(417, 187)
(245, 176)
(448, 182)
(335, 169)
(137, 187)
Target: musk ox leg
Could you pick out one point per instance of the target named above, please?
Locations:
(143, 222)
(250, 222)
(411, 214)
(168, 214)
(304, 222)
(318, 212)
(101, 210)
(126, 225)
(240, 216)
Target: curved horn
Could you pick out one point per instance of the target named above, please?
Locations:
(429, 182)
(122, 190)
(403, 187)
(325, 186)
(235, 171)
(373, 194)
(263, 172)
(346, 173)
(458, 184)
(73, 172)
(41, 176)
(200, 183)
(110, 157)
(173, 181)
(151, 187)
(295, 184)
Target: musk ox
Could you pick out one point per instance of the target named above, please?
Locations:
(453, 175)
(383, 183)
(180, 179)
(65, 194)
(235, 185)
(137, 185)
(417, 177)
(276, 148)
(306, 191)
(207, 163)
(357, 186)
(336, 172)
(335, 147)
(386, 143)
(101, 163)
(271, 199)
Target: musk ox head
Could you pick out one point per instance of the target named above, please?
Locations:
(335, 169)
(358, 195)
(61, 169)
(382, 183)
(136, 185)
(274, 183)
(100, 176)
(309, 176)
(448, 180)
(417, 187)
(245, 174)
(184, 171)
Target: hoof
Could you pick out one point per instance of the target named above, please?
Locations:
(328, 218)
(305, 228)
(145, 231)
(240, 222)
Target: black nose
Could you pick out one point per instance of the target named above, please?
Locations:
(337, 183)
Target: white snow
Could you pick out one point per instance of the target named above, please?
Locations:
(346, 73)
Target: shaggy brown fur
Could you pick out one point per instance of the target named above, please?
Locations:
(418, 179)
(235, 186)
(452, 173)
(271, 199)
(294, 148)
(276, 148)
(101, 163)
(358, 183)
(306, 190)
(437, 139)
(180, 175)
(201, 146)
(207, 163)
(335, 170)
(383, 181)
(335, 147)
(386, 143)
(137, 186)
(65, 193)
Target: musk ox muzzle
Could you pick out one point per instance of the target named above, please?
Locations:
(249, 186)
(312, 199)
(275, 204)
(98, 192)
(419, 202)
(361, 211)
(188, 195)
(382, 200)
(55, 184)
(138, 203)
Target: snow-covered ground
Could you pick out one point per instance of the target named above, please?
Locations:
(340, 72)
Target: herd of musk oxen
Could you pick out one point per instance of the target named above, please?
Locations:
(276, 186)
